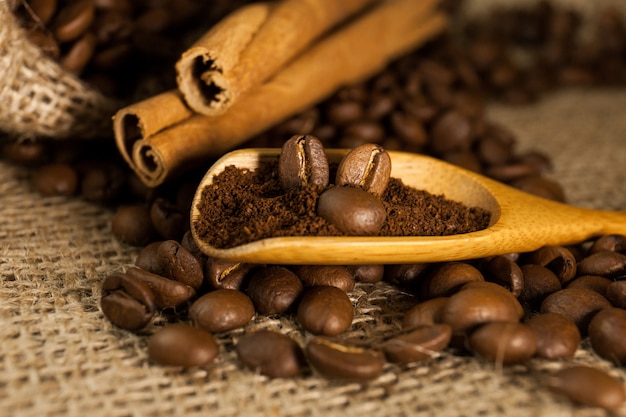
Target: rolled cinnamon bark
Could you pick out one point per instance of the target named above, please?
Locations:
(351, 54)
(221, 66)
(146, 118)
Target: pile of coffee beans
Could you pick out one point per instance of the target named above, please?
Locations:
(505, 309)
(124, 48)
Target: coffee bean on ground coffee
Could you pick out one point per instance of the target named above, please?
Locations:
(242, 206)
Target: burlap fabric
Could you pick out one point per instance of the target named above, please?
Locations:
(39, 98)
(60, 357)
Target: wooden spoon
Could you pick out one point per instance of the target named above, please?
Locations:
(520, 222)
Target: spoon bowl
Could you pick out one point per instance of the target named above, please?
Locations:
(520, 222)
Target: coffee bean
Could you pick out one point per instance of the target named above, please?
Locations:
(78, 56)
(56, 179)
(131, 224)
(425, 313)
(588, 386)
(45, 42)
(302, 162)
(418, 344)
(577, 304)
(369, 274)
(332, 275)
(175, 262)
(147, 257)
(445, 279)
(410, 130)
(352, 210)
(606, 263)
(591, 282)
(25, 152)
(503, 343)
(616, 294)
(73, 20)
(611, 243)
(452, 131)
(167, 292)
(127, 302)
(271, 353)
(558, 259)
(367, 166)
(404, 275)
(472, 306)
(557, 336)
(539, 282)
(168, 219)
(504, 271)
(43, 9)
(183, 345)
(342, 361)
(103, 183)
(366, 130)
(274, 290)
(607, 332)
(343, 112)
(222, 273)
(325, 310)
(221, 310)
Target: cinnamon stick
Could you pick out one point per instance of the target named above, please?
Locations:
(348, 55)
(147, 118)
(251, 45)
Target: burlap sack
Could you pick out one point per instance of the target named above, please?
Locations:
(40, 99)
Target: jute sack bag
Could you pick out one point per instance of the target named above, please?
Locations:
(39, 99)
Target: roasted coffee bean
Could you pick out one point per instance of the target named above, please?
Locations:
(302, 162)
(352, 210)
(341, 113)
(45, 42)
(103, 183)
(510, 171)
(131, 224)
(540, 186)
(332, 275)
(607, 332)
(274, 290)
(418, 344)
(73, 20)
(504, 343)
(25, 152)
(56, 179)
(577, 304)
(183, 345)
(606, 263)
(367, 166)
(43, 9)
(591, 282)
(222, 273)
(558, 259)
(366, 130)
(127, 302)
(147, 257)
(169, 220)
(379, 105)
(271, 353)
(404, 275)
(611, 243)
(445, 279)
(78, 56)
(410, 130)
(342, 361)
(452, 131)
(325, 310)
(221, 310)
(588, 386)
(167, 292)
(173, 261)
(504, 271)
(475, 305)
(369, 274)
(616, 294)
(493, 151)
(539, 282)
(557, 336)
(463, 159)
(425, 313)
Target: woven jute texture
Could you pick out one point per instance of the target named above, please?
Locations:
(60, 357)
(40, 99)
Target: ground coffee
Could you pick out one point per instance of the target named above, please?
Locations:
(243, 206)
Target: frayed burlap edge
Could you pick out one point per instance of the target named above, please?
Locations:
(41, 100)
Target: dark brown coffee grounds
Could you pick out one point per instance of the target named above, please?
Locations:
(242, 206)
